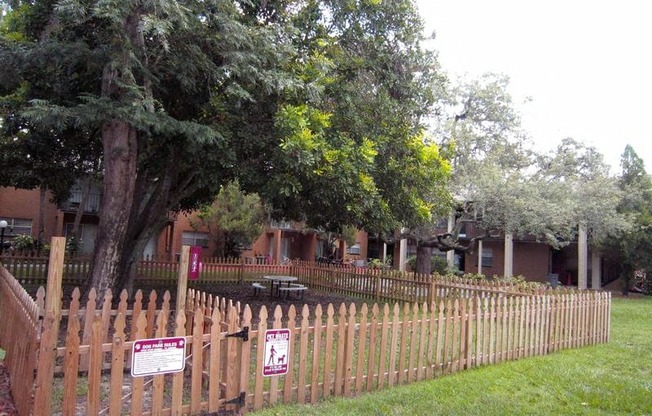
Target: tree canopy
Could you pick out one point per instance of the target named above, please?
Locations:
(317, 106)
(502, 186)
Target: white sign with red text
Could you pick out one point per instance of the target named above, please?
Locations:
(158, 356)
(277, 346)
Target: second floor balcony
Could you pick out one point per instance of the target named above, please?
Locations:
(90, 206)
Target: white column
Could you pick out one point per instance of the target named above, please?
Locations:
(582, 258)
(480, 257)
(402, 261)
(384, 253)
(509, 255)
(450, 255)
(596, 270)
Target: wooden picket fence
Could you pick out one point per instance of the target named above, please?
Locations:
(334, 351)
(81, 355)
(379, 285)
(19, 335)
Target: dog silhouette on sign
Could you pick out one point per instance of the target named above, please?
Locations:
(281, 359)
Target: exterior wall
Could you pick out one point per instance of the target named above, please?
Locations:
(531, 260)
(24, 204)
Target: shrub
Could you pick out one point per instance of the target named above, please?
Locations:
(24, 242)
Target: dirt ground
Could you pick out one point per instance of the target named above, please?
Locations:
(7, 407)
(245, 294)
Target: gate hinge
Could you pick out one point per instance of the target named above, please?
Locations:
(240, 400)
(244, 334)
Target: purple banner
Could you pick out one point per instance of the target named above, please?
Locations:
(195, 263)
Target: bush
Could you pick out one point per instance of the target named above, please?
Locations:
(438, 264)
(73, 245)
(24, 242)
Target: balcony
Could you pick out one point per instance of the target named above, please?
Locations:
(285, 225)
(92, 205)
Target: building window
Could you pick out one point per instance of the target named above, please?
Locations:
(487, 257)
(17, 226)
(195, 238)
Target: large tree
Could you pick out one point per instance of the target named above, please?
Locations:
(308, 103)
(630, 250)
(501, 186)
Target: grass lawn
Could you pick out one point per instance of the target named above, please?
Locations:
(611, 379)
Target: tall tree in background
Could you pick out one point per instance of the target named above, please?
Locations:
(630, 250)
(481, 134)
(501, 186)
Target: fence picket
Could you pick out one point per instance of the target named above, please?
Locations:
(363, 353)
(117, 365)
(88, 325)
(340, 348)
(159, 379)
(414, 343)
(316, 356)
(273, 385)
(289, 376)
(328, 351)
(215, 361)
(403, 350)
(197, 360)
(245, 357)
(382, 377)
(95, 366)
(137, 383)
(71, 365)
(303, 354)
(372, 349)
(393, 348)
(423, 337)
(260, 358)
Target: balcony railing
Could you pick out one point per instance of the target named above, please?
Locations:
(281, 225)
(92, 205)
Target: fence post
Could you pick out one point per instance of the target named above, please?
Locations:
(182, 283)
(377, 296)
(241, 270)
(48, 343)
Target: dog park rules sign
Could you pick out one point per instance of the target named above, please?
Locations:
(158, 356)
(277, 346)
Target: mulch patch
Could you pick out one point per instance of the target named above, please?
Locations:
(7, 407)
(245, 295)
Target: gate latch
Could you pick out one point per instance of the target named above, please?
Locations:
(244, 334)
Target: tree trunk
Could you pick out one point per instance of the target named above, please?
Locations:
(424, 259)
(120, 155)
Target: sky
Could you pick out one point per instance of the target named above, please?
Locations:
(585, 65)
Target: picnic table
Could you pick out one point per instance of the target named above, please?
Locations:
(277, 286)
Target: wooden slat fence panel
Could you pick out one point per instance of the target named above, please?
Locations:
(19, 334)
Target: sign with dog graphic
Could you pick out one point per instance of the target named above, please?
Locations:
(277, 347)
